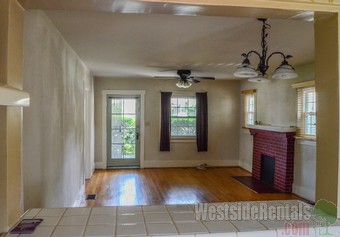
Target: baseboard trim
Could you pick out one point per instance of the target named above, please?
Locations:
(100, 165)
(188, 163)
(303, 192)
(245, 166)
(80, 197)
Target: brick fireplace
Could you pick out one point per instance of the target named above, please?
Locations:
(280, 147)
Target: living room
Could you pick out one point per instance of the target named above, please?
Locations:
(54, 129)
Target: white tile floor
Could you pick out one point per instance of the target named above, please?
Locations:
(165, 221)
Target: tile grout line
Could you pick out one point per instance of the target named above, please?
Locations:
(55, 227)
(146, 229)
(173, 222)
(115, 228)
(87, 221)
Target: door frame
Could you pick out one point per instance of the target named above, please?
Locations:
(105, 93)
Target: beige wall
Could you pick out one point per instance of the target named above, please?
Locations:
(11, 27)
(223, 102)
(327, 86)
(276, 101)
(89, 129)
(54, 123)
(276, 105)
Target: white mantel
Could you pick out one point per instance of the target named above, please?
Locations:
(273, 128)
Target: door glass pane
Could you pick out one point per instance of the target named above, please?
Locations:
(116, 151)
(117, 106)
(117, 136)
(129, 135)
(129, 121)
(129, 151)
(129, 106)
(116, 121)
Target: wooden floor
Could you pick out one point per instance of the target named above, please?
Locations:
(170, 186)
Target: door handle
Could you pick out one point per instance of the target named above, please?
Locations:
(137, 135)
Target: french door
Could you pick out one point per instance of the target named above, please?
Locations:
(123, 119)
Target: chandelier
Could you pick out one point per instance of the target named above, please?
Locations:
(246, 70)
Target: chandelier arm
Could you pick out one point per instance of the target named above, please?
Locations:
(272, 54)
(253, 51)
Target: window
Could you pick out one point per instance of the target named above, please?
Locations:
(306, 111)
(183, 117)
(249, 116)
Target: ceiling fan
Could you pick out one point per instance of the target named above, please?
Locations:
(185, 80)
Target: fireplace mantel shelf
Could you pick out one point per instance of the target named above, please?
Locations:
(272, 128)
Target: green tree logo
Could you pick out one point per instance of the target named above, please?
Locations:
(325, 213)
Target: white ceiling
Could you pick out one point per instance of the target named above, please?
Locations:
(144, 45)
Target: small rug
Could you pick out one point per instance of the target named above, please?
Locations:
(255, 185)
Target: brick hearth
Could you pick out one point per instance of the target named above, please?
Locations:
(280, 146)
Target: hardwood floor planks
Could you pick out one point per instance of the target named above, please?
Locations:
(171, 186)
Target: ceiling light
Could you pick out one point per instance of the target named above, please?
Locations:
(284, 71)
(183, 84)
(259, 78)
(246, 70)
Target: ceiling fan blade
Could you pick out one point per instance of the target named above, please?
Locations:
(205, 78)
(193, 80)
(165, 77)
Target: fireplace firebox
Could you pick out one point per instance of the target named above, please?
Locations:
(268, 169)
(279, 147)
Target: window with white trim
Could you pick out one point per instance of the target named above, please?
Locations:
(306, 111)
(183, 117)
(249, 111)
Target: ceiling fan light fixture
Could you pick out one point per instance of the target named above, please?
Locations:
(284, 72)
(183, 84)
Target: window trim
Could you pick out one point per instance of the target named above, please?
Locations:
(301, 86)
(245, 93)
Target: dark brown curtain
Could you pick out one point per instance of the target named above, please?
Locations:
(202, 121)
(165, 121)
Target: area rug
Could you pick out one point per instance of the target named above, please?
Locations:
(255, 185)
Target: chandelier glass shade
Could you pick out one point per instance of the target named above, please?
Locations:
(259, 78)
(246, 70)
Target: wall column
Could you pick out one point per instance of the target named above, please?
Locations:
(327, 88)
(11, 56)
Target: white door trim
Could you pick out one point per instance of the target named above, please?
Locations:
(140, 93)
